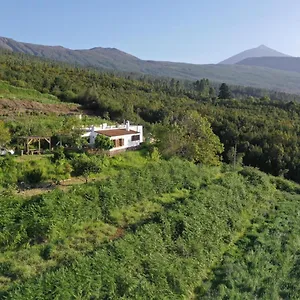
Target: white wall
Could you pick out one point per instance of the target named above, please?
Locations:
(90, 132)
(127, 142)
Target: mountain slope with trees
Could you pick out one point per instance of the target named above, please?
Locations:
(113, 59)
(262, 130)
(291, 64)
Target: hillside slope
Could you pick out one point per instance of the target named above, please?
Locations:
(147, 233)
(291, 64)
(113, 59)
(260, 51)
(15, 101)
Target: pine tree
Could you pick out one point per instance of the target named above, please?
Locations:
(224, 92)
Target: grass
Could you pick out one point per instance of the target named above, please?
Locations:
(29, 158)
(8, 91)
(111, 168)
(145, 209)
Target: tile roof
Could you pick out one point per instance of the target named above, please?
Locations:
(117, 132)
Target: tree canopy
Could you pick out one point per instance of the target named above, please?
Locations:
(103, 142)
(190, 136)
(224, 92)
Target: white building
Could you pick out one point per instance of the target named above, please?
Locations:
(124, 136)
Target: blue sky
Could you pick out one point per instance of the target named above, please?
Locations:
(189, 31)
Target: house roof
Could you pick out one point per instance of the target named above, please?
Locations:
(117, 132)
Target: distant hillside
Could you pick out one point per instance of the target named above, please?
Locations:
(113, 59)
(260, 51)
(291, 64)
(98, 57)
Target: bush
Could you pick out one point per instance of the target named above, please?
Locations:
(103, 142)
(58, 154)
(85, 165)
(34, 176)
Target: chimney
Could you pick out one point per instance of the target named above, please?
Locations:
(127, 125)
(104, 125)
(92, 135)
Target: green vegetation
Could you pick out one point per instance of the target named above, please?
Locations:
(113, 59)
(8, 91)
(187, 216)
(156, 230)
(103, 142)
(4, 134)
(224, 92)
(263, 131)
(264, 263)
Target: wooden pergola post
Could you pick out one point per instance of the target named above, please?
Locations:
(49, 142)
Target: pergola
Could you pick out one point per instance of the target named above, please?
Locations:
(28, 140)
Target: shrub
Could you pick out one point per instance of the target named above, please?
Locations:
(103, 142)
(85, 165)
(58, 154)
(34, 176)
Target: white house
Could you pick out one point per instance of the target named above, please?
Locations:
(124, 136)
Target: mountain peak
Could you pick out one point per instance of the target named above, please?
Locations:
(262, 46)
(260, 51)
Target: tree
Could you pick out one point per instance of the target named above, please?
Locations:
(8, 172)
(70, 132)
(86, 165)
(103, 142)
(4, 134)
(58, 154)
(62, 170)
(224, 92)
(203, 87)
(190, 137)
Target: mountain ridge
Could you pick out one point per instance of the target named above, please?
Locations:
(112, 59)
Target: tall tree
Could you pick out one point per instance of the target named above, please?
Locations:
(202, 87)
(224, 92)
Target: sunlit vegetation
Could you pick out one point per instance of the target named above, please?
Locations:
(154, 230)
(8, 91)
(185, 217)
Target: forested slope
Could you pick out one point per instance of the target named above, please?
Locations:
(264, 130)
(111, 59)
(291, 64)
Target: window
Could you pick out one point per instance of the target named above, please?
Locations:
(119, 143)
(135, 138)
